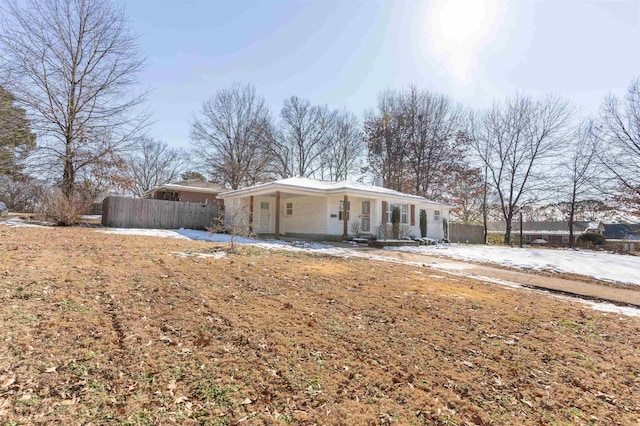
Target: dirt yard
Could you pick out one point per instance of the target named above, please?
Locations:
(109, 329)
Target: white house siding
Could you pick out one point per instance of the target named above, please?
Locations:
(335, 225)
(434, 227)
(309, 215)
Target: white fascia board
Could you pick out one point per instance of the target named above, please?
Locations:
(271, 187)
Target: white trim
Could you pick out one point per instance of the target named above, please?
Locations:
(307, 186)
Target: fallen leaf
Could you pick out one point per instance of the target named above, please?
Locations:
(8, 382)
(180, 399)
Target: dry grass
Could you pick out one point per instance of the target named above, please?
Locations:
(107, 329)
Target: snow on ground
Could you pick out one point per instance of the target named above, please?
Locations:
(459, 252)
(16, 221)
(601, 265)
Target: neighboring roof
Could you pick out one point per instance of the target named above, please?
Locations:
(199, 183)
(621, 231)
(315, 186)
(190, 186)
(559, 227)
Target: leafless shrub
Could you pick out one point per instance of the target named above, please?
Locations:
(235, 220)
(65, 210)
(22, 194)
(355, 228)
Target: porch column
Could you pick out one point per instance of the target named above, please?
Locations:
(384, 212)
(251, 215)
(277, 233)
(345, 217)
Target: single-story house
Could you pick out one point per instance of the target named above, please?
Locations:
(315, 209)
(189, 191)
(622, 231)
(552, 232)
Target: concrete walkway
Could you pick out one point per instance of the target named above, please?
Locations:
(591, 290)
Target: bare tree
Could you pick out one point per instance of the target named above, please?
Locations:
(581, 171)
(230, 134)
(154, 163)
(412, 140)
(618, 132)
(73, 65)
(517, 141)
(304, 135)
(341, 157)
(465, 191)
(432, 122)
(385, 136)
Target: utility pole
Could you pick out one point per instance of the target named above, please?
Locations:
(520, 227)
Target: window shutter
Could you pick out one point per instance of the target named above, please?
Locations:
(413, 215)
(384, 212)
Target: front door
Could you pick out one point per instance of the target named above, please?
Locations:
(265, 217)
(365, 217)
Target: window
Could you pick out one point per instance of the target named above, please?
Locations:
(404, 212)
(436, 215)
(289, 209)
(341, 210)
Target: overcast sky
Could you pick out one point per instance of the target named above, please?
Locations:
(344, 52)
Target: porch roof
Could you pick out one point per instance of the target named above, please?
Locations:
(308, 186)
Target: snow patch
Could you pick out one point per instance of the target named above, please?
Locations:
(601, 265)
(17, 222)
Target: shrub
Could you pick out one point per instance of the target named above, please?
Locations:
(591, 238)
(63, 210)
(355, 228)
(395, 223)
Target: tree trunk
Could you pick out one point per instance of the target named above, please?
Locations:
(571, 217)
(68, 173)
(507, 233)
(484, 207)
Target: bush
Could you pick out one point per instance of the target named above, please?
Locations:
(395, 223)
(63, 210)
(591, 238)
(22, 194)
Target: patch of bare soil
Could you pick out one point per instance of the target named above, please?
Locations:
(109, 329)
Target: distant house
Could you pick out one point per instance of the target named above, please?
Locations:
(315, 209)
(190, 191)
(552, 232)
(622, 231)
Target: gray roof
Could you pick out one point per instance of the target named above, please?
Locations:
(620, 231)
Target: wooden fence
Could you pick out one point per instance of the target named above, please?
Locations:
(463, 233)
(124, 212)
